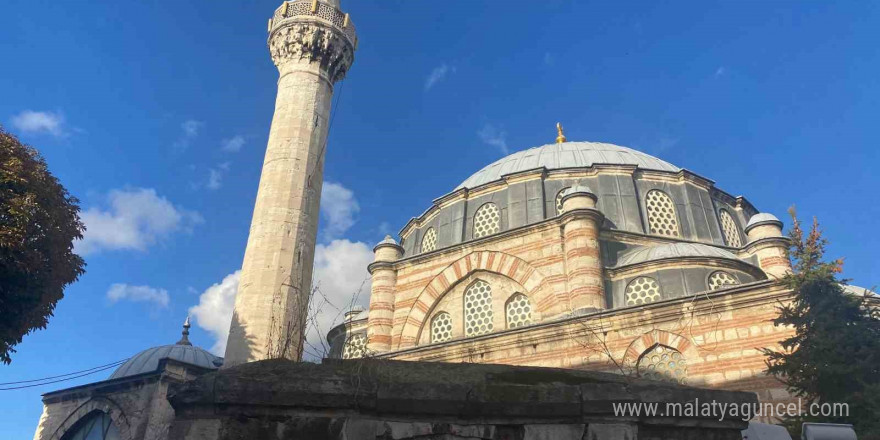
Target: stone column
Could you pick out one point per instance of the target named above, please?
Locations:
(384, 280)
(581, 222)
(312, 43)
(766, 241)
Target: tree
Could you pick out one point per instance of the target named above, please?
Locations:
(834, 354)
(39, 220)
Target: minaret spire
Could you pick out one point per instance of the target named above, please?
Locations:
(312, 43)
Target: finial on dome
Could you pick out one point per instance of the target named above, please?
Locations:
(561, 137)
(184, 339)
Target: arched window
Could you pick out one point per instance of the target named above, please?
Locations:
(487, 220)
(662, 219)
(519, 311)
(478, 309)
(559, 200)
(441, 327)
(429, 241)
(95, 426)
(642, 290)
(663, 363)
(731, 231)
(719, 279)
(355, 347)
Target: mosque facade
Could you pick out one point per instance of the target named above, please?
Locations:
(575, 255)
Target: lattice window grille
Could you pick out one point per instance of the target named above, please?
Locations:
(478, 309)
(441, 327)
(719, 279)
(429, 241)
(355, 347)
(487, 220)
(559, 200)
(731, 232)
(642, 290)
(661, 214)
(519, 311)
(663, 363)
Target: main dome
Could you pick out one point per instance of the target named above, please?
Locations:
(565, 155)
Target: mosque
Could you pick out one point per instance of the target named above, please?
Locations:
(575, 255)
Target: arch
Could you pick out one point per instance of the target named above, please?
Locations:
(100, 403)
(536, 286)
(650, 339)
(664, 363)
(429, 240)
(661, 214)
(517, 311)
(559, 199)
(478, 314)
(441, 327)
(730, 229)
(642, 290)
(719, 279)
(487, 220)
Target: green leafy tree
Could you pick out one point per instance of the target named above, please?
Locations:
(834, 354)
(39, 220)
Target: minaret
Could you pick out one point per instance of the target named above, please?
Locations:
(312, 43)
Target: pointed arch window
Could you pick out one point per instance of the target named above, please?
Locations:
(729, 228)
(662, 219)
(518, 311)
(355, 347)
(441, 327)
(94, 426)
(478, 309)
(642, 290)
(429, 241)
(663, 363)
(487, 220)
(559, 200)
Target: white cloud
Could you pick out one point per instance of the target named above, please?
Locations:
(549, 59)
(189, 131)
(135, 219)
(720, 71)
(214, 177)
(232, 144)
(338, 208)
(438, 74)
(340, 275)
(33, 122)
(119, 292)
(214, 310)
(494, 136)
(342, 280)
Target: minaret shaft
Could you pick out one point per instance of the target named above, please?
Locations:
(271, 305)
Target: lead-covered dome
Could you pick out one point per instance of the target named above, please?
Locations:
(565, 155)
(147, 361)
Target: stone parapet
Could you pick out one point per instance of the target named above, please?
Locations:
(368, 399)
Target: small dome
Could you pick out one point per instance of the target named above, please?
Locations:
(565, 155)
(147, 361)
(578, 188)
(762, 218)
(672, 250)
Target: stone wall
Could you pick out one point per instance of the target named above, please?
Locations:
(137, 405)
(372, 399)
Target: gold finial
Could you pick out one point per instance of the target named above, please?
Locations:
(561, 137)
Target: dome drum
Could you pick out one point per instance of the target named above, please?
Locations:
(621, 198)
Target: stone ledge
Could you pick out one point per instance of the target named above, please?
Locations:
(425, 392)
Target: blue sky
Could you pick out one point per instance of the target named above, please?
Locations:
(155, 114)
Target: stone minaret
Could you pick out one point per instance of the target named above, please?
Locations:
(312, 43)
